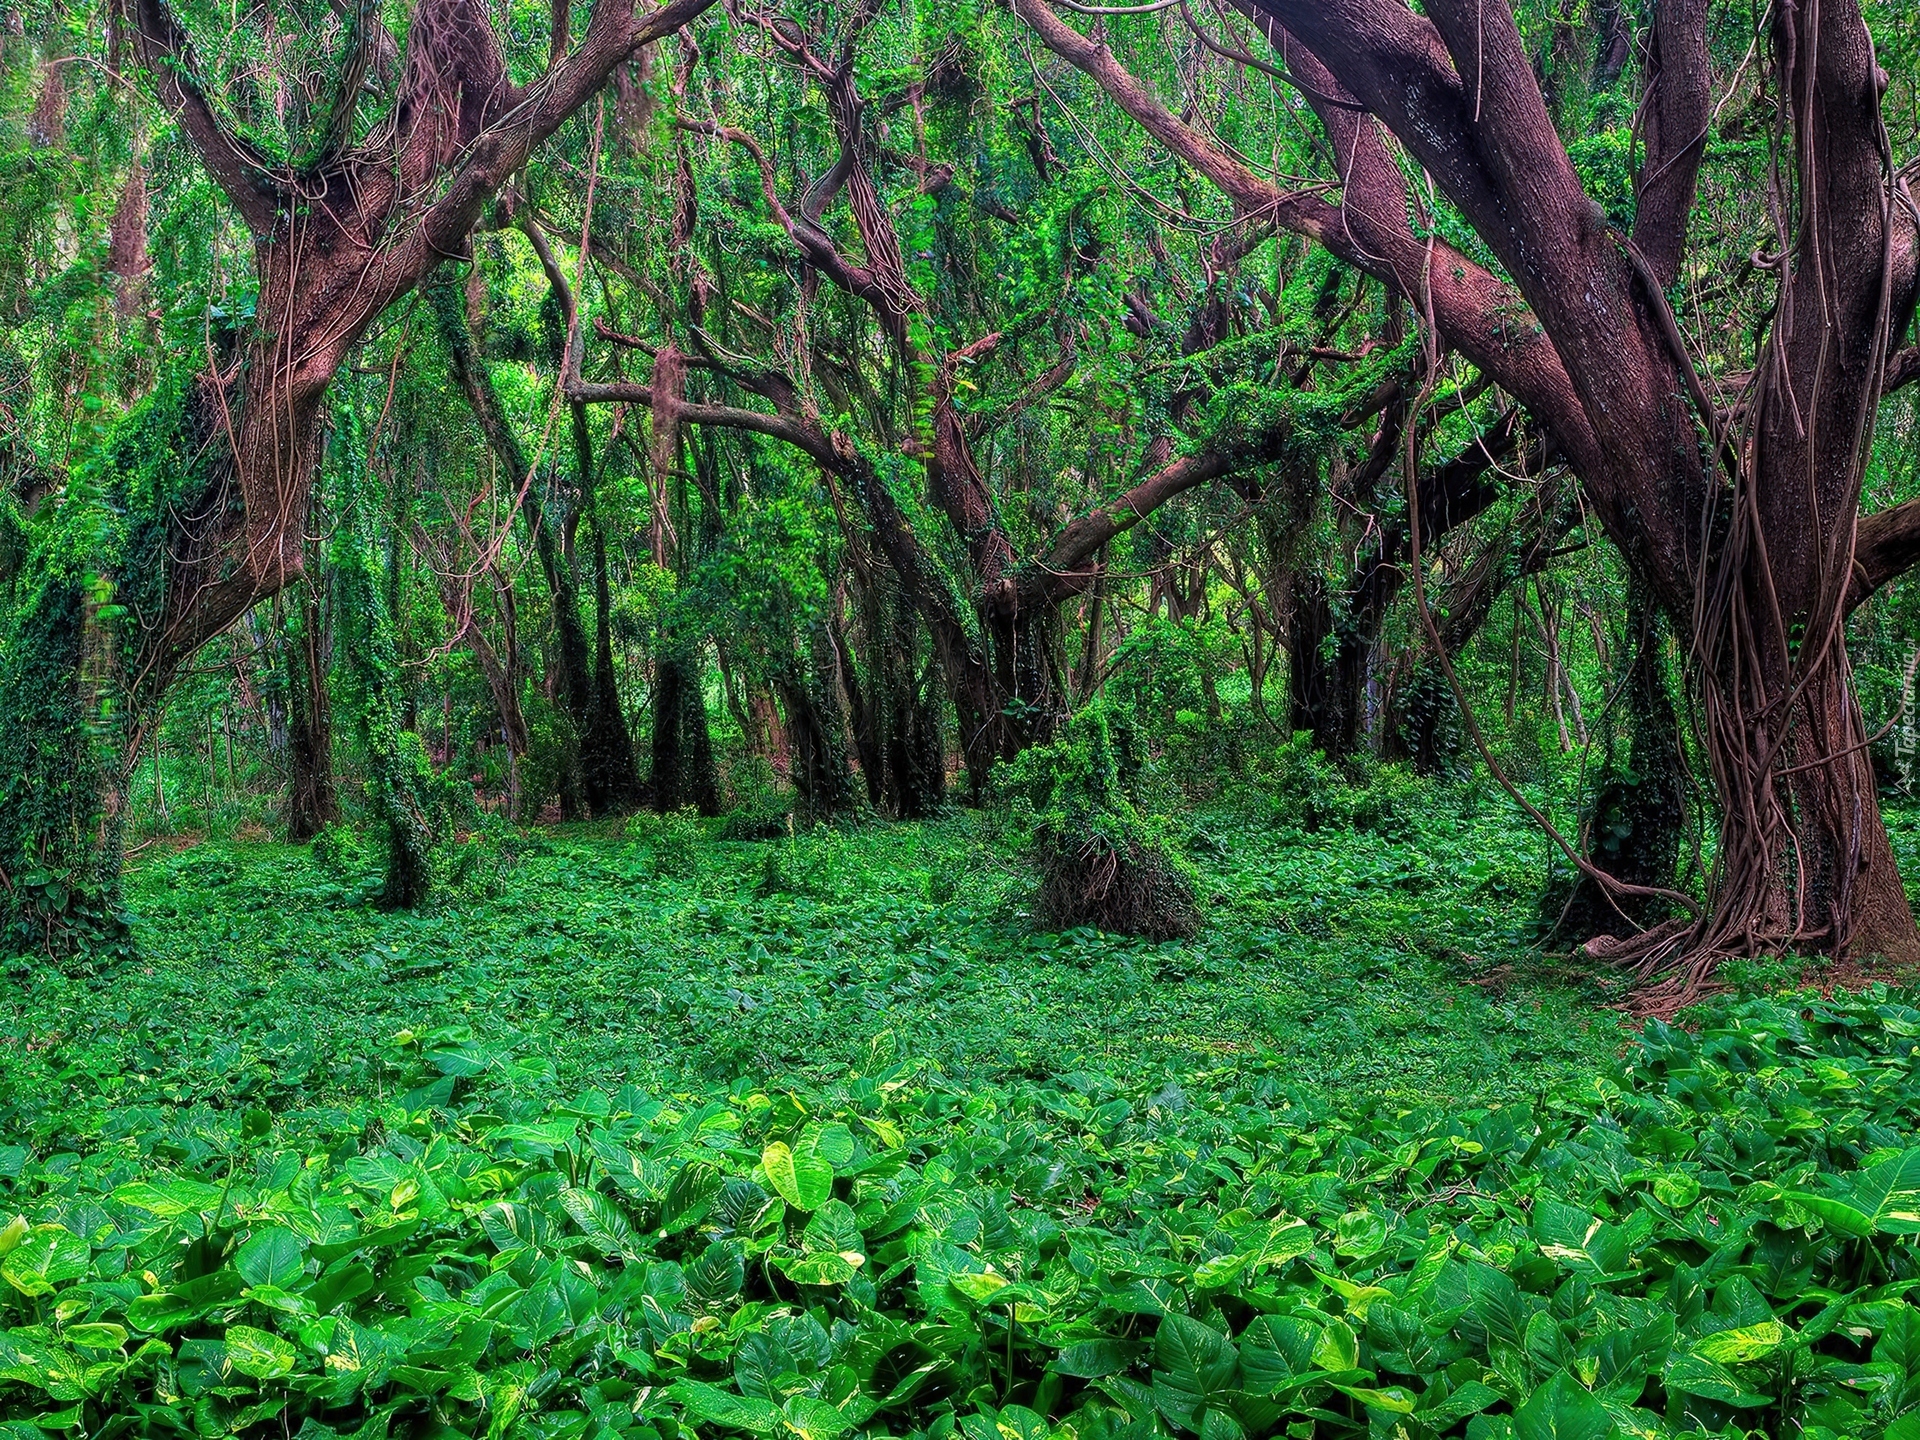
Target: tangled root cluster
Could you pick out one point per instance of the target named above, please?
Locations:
(1127, 888)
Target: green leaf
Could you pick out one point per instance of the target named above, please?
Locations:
(828, 1269)
(1747, 1342)
(1395, 1399)
(722, 1407)
(803, 1179)
(1694, 1374)
(813, 1419)
(1562, 1410)
(1497, 1304)
(49, 1257)
(1195, 1355)
(1469, 1399)
(717, 1274)
(258, 1353)
(602, 1222)
(1676, 1191)
(1097, 1359)
(1883, 1198)
(271, 1257)
(690, 1194)
(1338, 1348)
(979, 1288)
(172, 1197)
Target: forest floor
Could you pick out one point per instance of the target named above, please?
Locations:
(816, 1138)
(1362, 964)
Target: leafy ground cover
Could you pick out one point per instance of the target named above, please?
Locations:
(672, 959)
(666, 1136)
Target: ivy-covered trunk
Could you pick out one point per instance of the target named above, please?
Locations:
(400, 777)
(683, 768)
(75, 665)
(816, 730)
(62, 735)
(312, 803)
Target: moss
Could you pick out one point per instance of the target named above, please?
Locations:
(92, 577)
(401, 786)
(1100, 861)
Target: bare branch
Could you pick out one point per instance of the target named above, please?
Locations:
(243, 172)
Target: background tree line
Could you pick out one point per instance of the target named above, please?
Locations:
(441, 411)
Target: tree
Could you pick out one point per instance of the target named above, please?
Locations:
(343, 225)
(1742, 518)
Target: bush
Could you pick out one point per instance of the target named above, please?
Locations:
(673, 841)
(1100, 861)
(480, 866)
(551, 745)
(1310, 793)
(808, 864)
(339, 850)
(761, 809)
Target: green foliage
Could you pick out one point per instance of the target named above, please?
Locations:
(414, 805)
(1311, 794)
(1676, 1248)
(761, 809)
(338, 849)
(1101, 861)
(58, 727)
(93, 571)
(673, 841)
(812, 867)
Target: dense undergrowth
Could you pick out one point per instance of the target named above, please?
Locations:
(665, 1135)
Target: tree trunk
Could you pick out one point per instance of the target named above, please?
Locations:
(1326, 668)
(815, 732)
(399, 774)
(1634, 824)
(606, 745)
(683, 768)
(572, 670)
(312, 803)
(916, 751)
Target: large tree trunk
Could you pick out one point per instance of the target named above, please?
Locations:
(1758, 572)
(1804, 859)
(334, 246)
(399, 774)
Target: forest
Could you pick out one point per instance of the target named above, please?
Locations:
(959, 719)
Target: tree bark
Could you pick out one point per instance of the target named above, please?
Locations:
(1757, 568)
(312, 803)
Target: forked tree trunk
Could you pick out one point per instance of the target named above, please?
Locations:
(1756, 564)
(334, 246)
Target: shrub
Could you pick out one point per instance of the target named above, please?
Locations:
(673, 841)
(1311, 793)
(1100, 861)
(761, 809)
(808, 864)
(339, 850)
